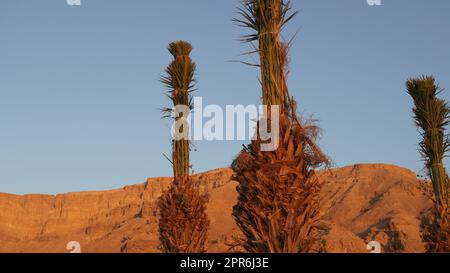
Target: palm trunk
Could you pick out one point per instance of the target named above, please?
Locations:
(437, 173)
(180, 158)
(431, 115)
(183, 223)
(278, 205)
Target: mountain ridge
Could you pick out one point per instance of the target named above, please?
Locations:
(361, 202)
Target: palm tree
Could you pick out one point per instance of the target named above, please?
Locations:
(278, 204)
(431, 116)
(183, 223)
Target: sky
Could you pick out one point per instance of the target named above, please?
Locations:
(80, 92)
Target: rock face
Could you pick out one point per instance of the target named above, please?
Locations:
(364, 203)
(361, 202)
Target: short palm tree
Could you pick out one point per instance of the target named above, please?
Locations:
(183, 223)
(278, 204)
(432, 115)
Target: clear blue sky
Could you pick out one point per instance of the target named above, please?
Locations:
(79, 90)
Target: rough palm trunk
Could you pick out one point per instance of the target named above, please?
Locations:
(432, 115)
(278, 204)
(436, 230)
(183, 223)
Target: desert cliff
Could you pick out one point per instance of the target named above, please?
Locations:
(361, 202)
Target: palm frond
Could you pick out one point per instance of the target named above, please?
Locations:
(266, 19)
(431, 116)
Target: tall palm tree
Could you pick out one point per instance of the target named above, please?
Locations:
(278, 204)
(432, 115)
(183, 223)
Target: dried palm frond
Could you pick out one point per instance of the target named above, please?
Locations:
(435, 230)
(278, 209)
(183, 223)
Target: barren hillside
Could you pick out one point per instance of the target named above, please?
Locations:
(361, 202)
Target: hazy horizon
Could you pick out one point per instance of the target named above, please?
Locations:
(80, 90)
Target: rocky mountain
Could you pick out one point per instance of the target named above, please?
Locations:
(362, 203)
